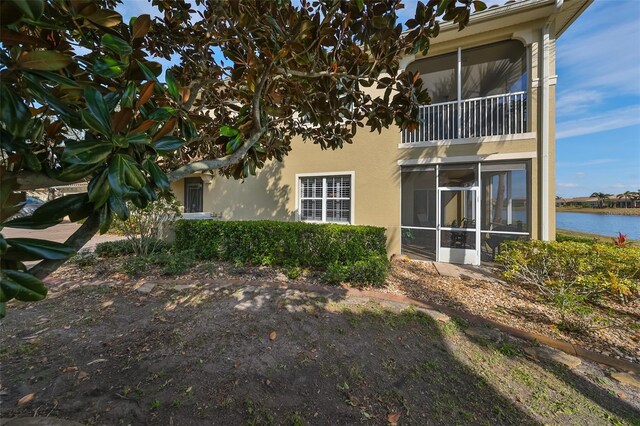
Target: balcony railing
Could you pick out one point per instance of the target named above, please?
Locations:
(470, 118)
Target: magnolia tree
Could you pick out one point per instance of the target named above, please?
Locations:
(83, 98)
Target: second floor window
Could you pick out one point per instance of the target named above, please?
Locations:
(494, 69)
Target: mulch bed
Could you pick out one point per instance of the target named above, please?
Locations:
(612, 329)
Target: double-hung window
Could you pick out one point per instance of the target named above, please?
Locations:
(325, 198)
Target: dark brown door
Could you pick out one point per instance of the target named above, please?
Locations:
(193, 195)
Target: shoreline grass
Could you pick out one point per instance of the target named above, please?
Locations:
(600, 238)
(631, 211)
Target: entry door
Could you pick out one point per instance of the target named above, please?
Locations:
(458, 226)
(192, 195)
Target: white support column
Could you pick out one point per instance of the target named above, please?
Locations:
(459, 109)
(544, 137)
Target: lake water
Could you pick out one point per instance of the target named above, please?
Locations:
(601, 224)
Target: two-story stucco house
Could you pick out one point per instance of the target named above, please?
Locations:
(478, 170)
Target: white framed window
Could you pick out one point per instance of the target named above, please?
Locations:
(325, 197)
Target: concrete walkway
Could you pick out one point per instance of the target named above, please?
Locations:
(58, 233)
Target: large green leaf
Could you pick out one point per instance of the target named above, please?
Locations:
(29, 223)
(124, 173)
(98, 107)
(168, 144)
(159, 177)
(119, 207)
(60, 207)
(139, 139)
(42, 249)
(22, 286)
(172, 87)
(44, 60)
(99, 189)
(46, 98)
(74, 172)
(105, 219)
(93, 123)
(109, 67)
(86, 152)
(32, 9)
(14, 114)
(116, 44)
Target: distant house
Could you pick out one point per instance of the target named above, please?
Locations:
(479, 169)
(581, 202)
(616, 201)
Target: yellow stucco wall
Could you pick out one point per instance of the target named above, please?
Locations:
(373, 158)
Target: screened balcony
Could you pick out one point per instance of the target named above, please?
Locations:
(475, 93)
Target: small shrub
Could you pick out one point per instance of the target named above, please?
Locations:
(135, 265)
(292, 272)
(371, 270)
(586, 272)
(335, 274)
(114, 248)
(179, 262)
(84, 259)
(145, 225)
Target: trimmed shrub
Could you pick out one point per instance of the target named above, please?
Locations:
(114, 248)
(586, 271)
(361, 250)
(564, 238)
(126, 247)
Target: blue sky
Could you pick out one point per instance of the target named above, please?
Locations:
(597, 100)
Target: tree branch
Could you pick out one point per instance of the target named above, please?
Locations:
(257, 133)
(76, 241)
(218, 163)
(28, 181)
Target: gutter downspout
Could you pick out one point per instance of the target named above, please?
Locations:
(545, 120)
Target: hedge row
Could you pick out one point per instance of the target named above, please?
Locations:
(359, 250)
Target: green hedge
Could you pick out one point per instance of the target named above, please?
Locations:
(358, 249)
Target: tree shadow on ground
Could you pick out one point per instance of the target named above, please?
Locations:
(235, 353)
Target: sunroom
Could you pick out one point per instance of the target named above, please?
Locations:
(461, 213)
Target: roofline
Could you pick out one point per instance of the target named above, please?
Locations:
(499, 11)
(573, 18)
(518, 7)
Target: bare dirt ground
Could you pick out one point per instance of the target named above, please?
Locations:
(612, 328)
(220, 351)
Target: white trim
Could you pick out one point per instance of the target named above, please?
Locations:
(505, 232)
(469, 158)
(544, 137)
(351, 174)
(475, 141)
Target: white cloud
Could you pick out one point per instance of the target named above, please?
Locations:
(580, 174)
(567, 185)
(570, 102)
(587, 163)
(606, 58)
(608, 120)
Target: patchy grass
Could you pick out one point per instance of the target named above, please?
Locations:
(201, 355)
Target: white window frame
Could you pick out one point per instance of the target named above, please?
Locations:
(352, 177)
